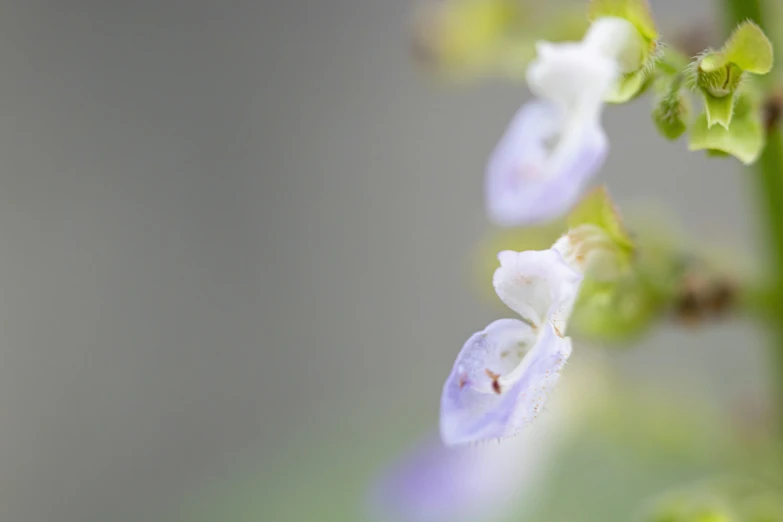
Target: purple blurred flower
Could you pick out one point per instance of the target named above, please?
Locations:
(530, 181)
(503, 375)
(555, 144)
(439, 484)
(434, 483)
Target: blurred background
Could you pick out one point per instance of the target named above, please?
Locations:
(237, 246)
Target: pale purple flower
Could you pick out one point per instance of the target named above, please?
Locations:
(504, 374)
(434, 483)
(555, 144)
(528, 180)
(438, 484)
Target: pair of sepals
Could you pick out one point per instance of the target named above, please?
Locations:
(732, 120)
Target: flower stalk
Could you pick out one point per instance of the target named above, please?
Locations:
(768, 192)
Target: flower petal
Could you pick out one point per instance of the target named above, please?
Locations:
(529, 182)
(618, 39)
(471, 412)
(572, 75)
(538, 285)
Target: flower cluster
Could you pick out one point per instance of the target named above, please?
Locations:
(539, 170)
(538, 173)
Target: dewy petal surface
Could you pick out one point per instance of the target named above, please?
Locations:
(503, 400)
(538, 285)
(529, 180)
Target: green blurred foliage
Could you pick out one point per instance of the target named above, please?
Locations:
(628, 446)
(597, 208)
(738, 497)
(635, 11)
(470, 39)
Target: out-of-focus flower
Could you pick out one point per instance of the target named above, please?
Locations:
(503, 375)
(485, 482)
(470, 39)
(435, 483)
(556, 143)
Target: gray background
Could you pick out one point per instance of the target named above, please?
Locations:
(232, 231)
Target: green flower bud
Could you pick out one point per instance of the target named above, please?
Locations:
(672, 108)
(614, 311)
(627, 306)
(615, 301)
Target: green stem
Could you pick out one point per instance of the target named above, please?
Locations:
(769, 195)
(737, 11)
(768, 181)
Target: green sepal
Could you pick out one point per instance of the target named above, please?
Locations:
(718, 89)
(630, 86)
(613, 311)
(635, 11)
(719, 111)
(597, 208)
(748, 48)
(744, 139)
(718, 75)
(715, 153)
(597, 240)
(628, 306)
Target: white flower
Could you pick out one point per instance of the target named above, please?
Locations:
(503, 375)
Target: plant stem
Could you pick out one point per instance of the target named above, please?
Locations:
(768, 181)
(736, 11)
(769, 196)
